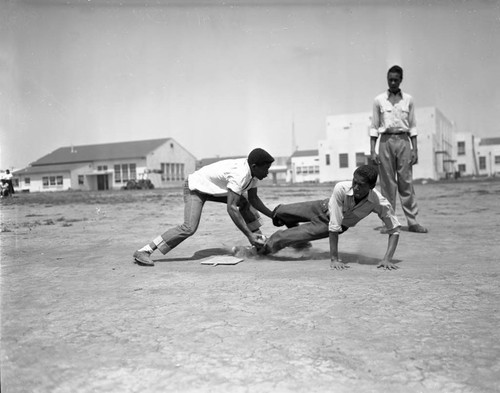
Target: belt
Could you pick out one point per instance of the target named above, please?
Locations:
(396, 135)
(394, 132)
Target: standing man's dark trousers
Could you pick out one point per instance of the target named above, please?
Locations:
(396, 174)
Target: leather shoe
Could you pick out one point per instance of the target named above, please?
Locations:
(417, 228)
(143, 258)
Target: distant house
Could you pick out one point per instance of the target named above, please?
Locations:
(488, 156)
(305, 166)
(108, 166)
(477, 156)
(278, 173)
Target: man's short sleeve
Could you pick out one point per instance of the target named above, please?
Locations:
(335, 208)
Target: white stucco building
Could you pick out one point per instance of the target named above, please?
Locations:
(488, 156)
(347, 145)
(465, 154)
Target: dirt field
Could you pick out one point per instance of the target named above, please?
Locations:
(79, 316)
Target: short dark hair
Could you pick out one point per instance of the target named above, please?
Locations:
(259, 157)
(369, 173)
(397, 69)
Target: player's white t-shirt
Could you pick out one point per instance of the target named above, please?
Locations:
(217, 178)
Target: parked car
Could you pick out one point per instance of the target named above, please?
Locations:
(143, 184)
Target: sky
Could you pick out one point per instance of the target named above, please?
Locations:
(224, 77)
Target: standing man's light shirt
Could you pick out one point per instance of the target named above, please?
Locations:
(393, 113)
(344, 211)
(217, 178)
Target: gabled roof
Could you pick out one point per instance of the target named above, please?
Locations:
(489, 141)
(207, 161)
(47, 169)
(305, 153)
(106, 151)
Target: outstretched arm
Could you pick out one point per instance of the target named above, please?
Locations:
(392, 244)
(335, 262)
(233, 200)
(256, 202)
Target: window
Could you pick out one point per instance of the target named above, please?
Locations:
(27, 181)
(316, 169)
(177, 171)
(327, 159)
(482, 162)
(172, 171)
(52, 180)
(125, 173)
(102, 167)
(59, 180)
(497, 159)
(360, 159)
(133, 173)
(461, 168)
(81, 180)
(461, 148)
(45, 181)
(167, 171)
(118, 174)
(299, 170)
(343, 160)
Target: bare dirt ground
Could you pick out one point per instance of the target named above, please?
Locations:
(79, 316)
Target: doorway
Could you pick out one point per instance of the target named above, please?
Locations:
(102, 182)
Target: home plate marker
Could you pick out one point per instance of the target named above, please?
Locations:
(222, 260)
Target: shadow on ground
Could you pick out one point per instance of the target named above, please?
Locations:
(287, 254)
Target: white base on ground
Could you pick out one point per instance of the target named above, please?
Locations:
(221, 260)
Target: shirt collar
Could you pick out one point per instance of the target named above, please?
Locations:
(399, 93)
(370, 197)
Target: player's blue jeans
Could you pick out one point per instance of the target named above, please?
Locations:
(314, 218)
(193, 206)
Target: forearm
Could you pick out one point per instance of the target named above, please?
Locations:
(392, 244)
(334, 246)
(238, 220)
(414, 150)
(259, 205)
(373, 143)
(414, 144)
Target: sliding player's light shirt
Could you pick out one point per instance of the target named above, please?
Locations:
(344, 211)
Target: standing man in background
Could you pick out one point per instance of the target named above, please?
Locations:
(394, 121)
(8, 179)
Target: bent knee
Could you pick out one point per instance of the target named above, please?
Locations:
(187, 230)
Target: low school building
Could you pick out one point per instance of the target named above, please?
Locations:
(108, 166)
